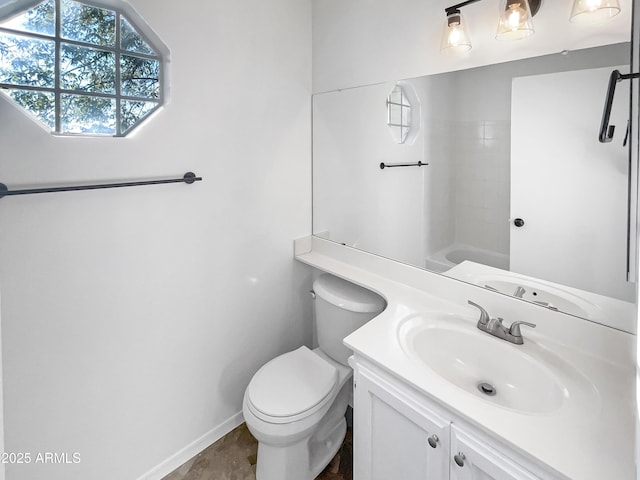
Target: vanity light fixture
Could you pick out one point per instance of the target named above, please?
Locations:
(515, 23)
(516, 20)
(594, 11)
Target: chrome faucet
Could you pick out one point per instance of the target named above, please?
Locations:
(494, 326)
(519, 293)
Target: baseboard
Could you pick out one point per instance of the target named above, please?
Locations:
(191, 450)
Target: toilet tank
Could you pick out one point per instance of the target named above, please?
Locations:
(341, 308)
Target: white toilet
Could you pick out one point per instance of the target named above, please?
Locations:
(295, 404)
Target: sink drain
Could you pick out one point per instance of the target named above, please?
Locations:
(487, 389)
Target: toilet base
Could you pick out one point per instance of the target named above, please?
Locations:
(304, 460)
(301, 449)
(322, 455)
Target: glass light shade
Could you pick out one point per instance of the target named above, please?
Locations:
(516, 21)
(455, 38)
(594, 11)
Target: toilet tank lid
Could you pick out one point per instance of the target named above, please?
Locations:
(347, 295)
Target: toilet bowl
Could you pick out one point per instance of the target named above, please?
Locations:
(295, 404)
(290, 442)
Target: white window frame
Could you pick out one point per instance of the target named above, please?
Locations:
(121, 10)
(404, 109)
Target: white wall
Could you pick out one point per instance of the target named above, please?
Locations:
(132, 319)
(360, 42)
(355, 201)
(439, 198)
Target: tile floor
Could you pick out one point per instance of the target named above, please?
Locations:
(233, 457)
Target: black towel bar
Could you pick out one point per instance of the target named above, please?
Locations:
(188, 178)
(393, 165)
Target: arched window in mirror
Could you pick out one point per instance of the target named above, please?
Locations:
(79, 68)
(399, 114)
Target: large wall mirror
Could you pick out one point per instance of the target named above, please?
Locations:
(514, 192)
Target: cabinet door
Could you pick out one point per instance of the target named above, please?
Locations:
(471, 459)
(394, 436)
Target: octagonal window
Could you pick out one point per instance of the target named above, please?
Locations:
(80, 69)
(399, 114)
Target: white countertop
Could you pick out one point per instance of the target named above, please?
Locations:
(592, 439)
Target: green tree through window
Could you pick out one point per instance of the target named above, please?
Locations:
(80, 69)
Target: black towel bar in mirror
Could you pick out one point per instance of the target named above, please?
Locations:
(394, 165)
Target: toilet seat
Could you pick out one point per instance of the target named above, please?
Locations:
(291, 387)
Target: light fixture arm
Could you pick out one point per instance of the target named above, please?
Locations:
(456, 8)
(534, 5)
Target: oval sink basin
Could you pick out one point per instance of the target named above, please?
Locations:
(524, 378)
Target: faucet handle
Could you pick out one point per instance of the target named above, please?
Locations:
(514, 329)
(520, 291)
(484, 316)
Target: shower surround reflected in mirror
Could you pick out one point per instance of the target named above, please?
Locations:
(516, 181)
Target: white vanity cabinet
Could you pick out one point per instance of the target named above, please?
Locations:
(400, 434)
(395, 437)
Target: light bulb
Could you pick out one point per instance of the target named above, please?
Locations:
(514, 16)
(515, 21)
(593, 5)
(455, 38)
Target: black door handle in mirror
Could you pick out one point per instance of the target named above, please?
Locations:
(518, 222)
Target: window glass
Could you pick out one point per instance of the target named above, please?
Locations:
(398, 114)
(40, 104)
(131, 40)
(87, 69)
(27, 61)
(84, 23)
(40, 19)
(88, 115)
(134, 111)
(139, 77)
